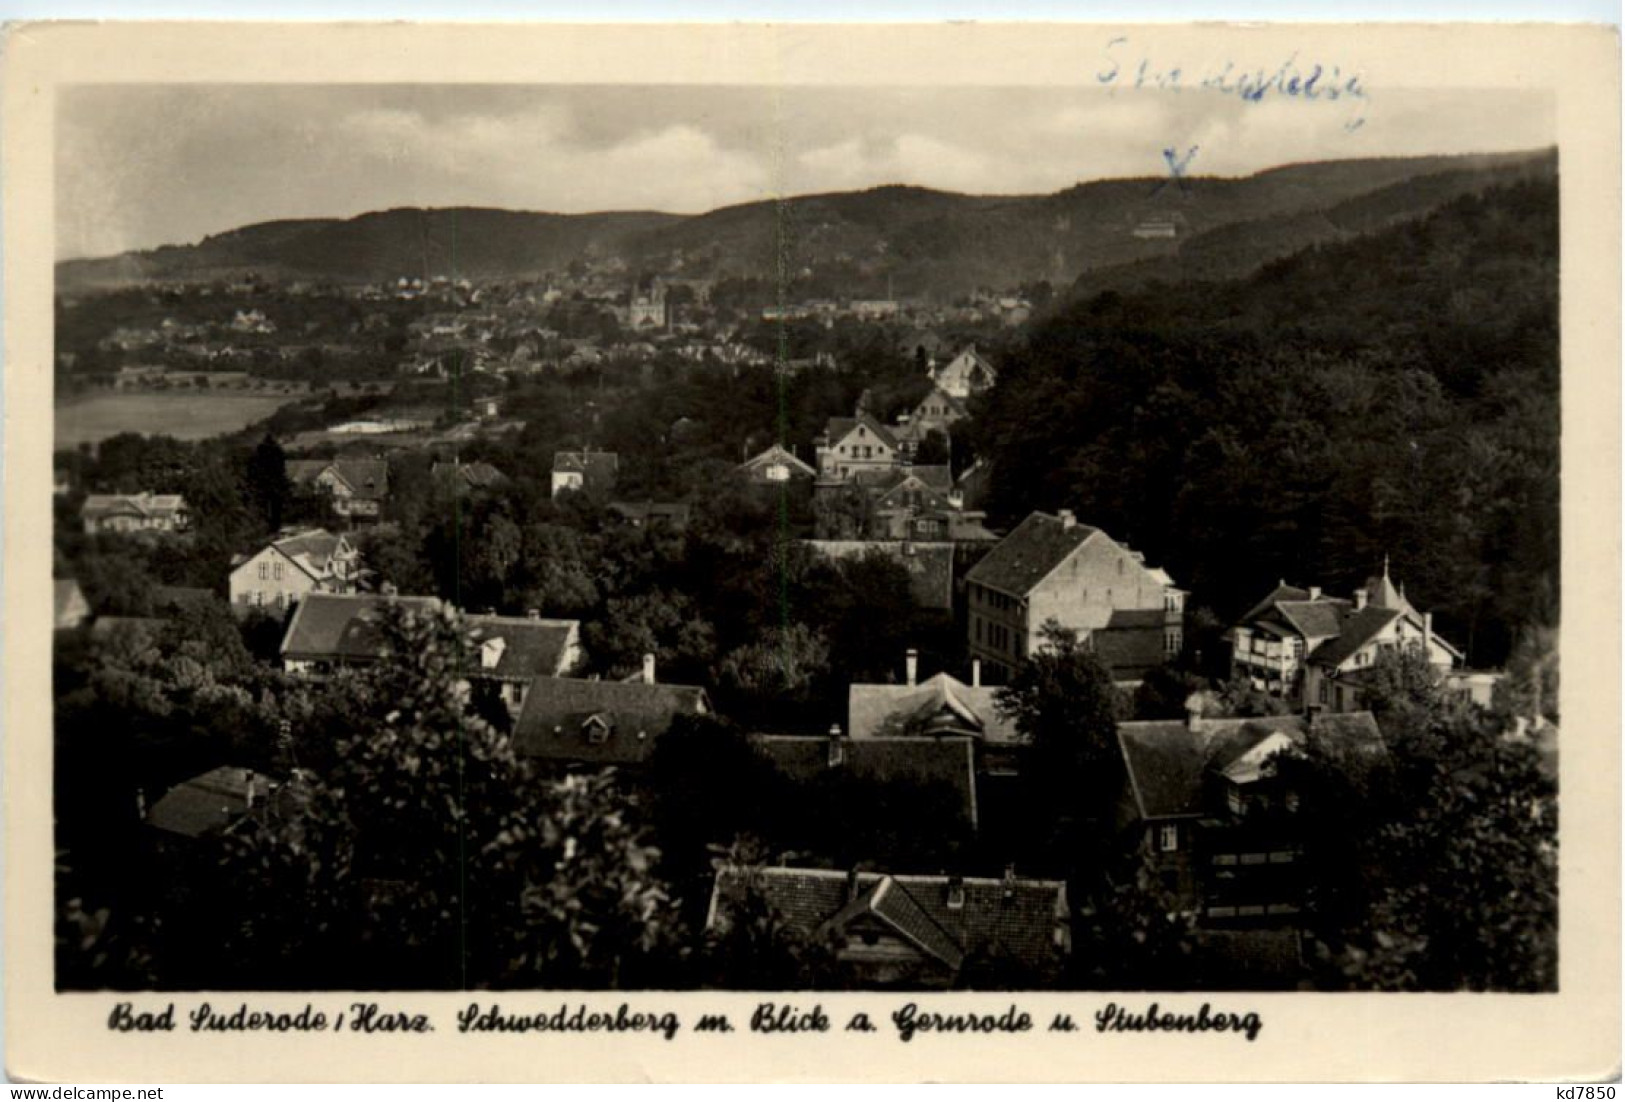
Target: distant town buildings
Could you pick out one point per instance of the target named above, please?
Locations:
(142, 512)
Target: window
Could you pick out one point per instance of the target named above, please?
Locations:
(1168, 837)
(265, 570)
(1234, 800)
(516, 693)
(276, 571)
(1325, 693)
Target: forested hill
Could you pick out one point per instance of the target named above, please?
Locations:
(1395, 394)
(864, 244)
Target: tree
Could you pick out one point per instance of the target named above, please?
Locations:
(1061, 699)
(1435, 869)
(784, 669)
(753, 946)
(425, 854)
(933, 449)
(663, 624)
(267, 482)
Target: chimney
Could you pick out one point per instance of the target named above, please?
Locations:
(908, 548)
(911, 663)
(648, 669)
(248, 795)
(851, 883)
(533, 614)
(1359, 599)
(1009, 881)
(956, 893)
(1068, 519)
(1193, 709)
(976, 673)
(956, 499)
(140, 803)
(837, 746)
(1314, 593)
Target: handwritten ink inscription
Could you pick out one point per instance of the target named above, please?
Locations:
(1292, 78)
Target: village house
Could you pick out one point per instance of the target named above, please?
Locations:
(776, 464)
(356, 488)
(852, 444)
(465, 477)
(566, 721)
(941, 706)
(1051, 568)
(292, 566)
(1314, 650)
(932, 932)
(1203, 808)
(966, 374)
(331, 631)
(672, 516)
(142, 512)
(584, 471)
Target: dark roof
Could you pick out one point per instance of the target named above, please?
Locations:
(478, 475)
(1358, 630)
(1018, 920)
(886, 900)
(343, 626)
(1132, 643)
(1282, 592)
(182, 596)
(367, 478)
(674, 513)
(930, 566)
(945, 761)
(1027, 555)
(205, 804)
(531, 648)
(1315, 619)
(838, 428)
(312, 550)
(554, 721)
(1167, 760)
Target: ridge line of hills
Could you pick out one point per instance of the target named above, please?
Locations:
(916, 241)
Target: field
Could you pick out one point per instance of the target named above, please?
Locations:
(191, 416)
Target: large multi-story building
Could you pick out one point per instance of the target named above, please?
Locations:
(1053, 568)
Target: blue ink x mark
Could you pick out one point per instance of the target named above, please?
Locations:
(1176, 169)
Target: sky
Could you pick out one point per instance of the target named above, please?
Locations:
(145, 165)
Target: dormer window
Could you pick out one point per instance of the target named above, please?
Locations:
(491, 653)
(1168, 837)
(956, 894)
(596, 728)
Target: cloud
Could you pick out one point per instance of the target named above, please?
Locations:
(139, 166)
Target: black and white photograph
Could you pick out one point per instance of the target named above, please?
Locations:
(911, 538)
